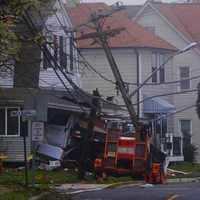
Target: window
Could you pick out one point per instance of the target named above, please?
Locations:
(185, 127)
(71, 53)
(162, 60)
(9, 125)
(62, 52)
(184, 77)
(61, 48)
(157, 60)
(153, 67)
(177, 146)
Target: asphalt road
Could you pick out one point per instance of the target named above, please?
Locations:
(187, 191)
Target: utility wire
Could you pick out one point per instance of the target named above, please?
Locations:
(49, 57)
(174, 113)
(76, 88)
(39, 89)
(88, 65)
(66, 32)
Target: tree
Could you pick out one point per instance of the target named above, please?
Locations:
(11, 12)
(189, 150)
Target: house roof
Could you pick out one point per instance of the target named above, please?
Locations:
(184, 16)
(133, 35)
(132, 10)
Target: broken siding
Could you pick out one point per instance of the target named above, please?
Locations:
(6, 81)
(13, 148)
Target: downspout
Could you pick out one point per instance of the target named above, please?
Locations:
(138, 82)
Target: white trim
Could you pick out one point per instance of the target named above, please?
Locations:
(179, 78)
(6, 121)
(140, 82)
(167, 21)
(164, 18)
(179, 126)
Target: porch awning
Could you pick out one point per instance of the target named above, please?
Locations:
(158, 105)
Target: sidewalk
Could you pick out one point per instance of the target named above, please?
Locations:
(80, 187)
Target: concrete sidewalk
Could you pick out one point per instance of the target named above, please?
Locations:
(80, 187)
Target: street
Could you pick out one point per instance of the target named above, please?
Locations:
(182, 191)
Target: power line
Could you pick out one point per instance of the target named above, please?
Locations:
(87, 64)
(49, 57)
(174, 113)
(66, 32)
(76, 88)
(39, 89)
(162, 95)
(167, 94)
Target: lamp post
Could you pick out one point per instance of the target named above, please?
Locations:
(187, 48)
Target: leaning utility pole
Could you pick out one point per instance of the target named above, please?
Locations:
(102, 40)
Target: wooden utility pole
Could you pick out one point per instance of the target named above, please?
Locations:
(87, 138)
(102, 39)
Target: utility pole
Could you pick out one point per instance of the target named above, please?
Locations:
(102, 40)
(87, 138)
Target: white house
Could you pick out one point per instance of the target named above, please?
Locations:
(137, 52)
(177, 23)
(23, 88)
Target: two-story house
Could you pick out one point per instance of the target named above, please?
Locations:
(137, 53)
(32, 83)
(177, 23)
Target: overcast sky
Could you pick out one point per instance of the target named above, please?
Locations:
(124, 1)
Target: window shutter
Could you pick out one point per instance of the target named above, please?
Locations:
(45, 61)
(55, 41)
(71, 53)
(61, 52)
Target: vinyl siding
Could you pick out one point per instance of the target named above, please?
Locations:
(126, 61)
(191, 59)
(13, 146)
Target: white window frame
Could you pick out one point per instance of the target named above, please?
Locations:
(158, 64)
(6, 121)
(179, 77)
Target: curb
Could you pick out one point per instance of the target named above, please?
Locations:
(133, 183)
(39, 196)
(118, 184)
(183, 180)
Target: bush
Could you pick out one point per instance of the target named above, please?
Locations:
(189, 150)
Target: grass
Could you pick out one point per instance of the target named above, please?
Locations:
(12, 183)
(187, 167)
(14, 177)
(50, 178)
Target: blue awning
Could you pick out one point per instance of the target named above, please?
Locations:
(157, 105)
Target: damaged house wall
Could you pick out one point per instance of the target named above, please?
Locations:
(31, 78)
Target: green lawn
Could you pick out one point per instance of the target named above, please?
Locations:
(14, 177)
(12, 182)
(187, 167)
